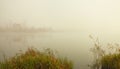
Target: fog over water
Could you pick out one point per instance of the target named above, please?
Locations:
(72, 21)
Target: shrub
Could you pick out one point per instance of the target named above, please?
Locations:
(34, 59)
(105, 59)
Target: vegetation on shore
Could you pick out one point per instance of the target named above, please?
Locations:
(48, 59)
(111, 61)
(34, 59)
(105, 59)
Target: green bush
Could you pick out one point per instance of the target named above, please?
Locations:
(34, 59)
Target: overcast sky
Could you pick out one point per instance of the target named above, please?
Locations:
(82, 15)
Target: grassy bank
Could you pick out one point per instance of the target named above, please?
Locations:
(34, 59)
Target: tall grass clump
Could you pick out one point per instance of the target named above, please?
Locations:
(111, 61)
(34, 59)
(105, 58)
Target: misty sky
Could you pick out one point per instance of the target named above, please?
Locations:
(83, 15)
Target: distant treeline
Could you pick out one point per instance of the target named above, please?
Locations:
(22, 28)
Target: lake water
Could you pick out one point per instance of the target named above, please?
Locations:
(74, 45)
